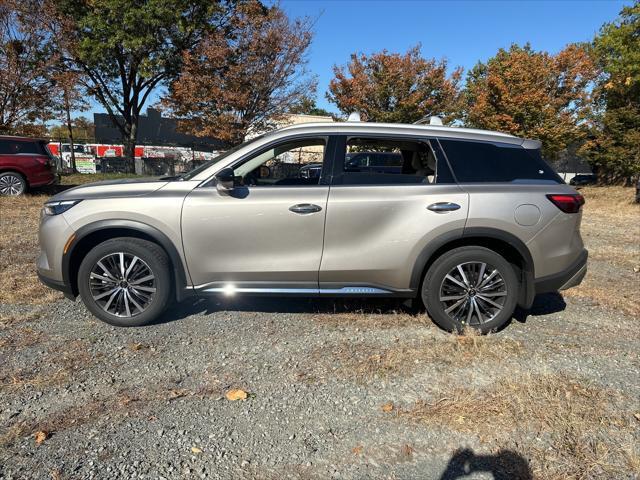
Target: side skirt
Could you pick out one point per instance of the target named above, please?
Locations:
(352, 291)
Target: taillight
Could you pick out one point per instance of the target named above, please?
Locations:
(567, 203)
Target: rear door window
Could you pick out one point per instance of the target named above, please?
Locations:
(17, 147)
(494, 162)
(385, 160)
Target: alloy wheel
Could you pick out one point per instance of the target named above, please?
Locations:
(122, 284)
(473, 293)
(11, 185)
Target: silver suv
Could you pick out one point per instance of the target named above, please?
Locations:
(471, 222)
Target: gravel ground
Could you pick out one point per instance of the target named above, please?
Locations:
(150, 402)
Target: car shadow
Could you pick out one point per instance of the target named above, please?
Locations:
(543, 304)
(313, 305)
(504, 465)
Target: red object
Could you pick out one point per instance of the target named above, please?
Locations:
(567, 203)
(30, 158)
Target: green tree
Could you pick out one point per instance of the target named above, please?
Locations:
(532, 94)
(613, 148)
(125, 49)
(307, 106)
(396, 88)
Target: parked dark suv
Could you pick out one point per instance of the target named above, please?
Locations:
(24, 163)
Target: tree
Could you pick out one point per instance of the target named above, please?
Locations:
(613, 147)
(243, 79)
(125, 49)
(68, 98)
(307, 106)
(532, 94)
(393, 87)
(26, 60)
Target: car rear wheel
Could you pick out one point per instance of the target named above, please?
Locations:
(125, 281)
(12, 184)
(470, 287)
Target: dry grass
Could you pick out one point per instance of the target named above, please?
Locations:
(380, 319)
(365, 362)
(19, 218)
(82, 178)
(568, 428)
(611, 231)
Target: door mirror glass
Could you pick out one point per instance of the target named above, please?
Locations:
(225, 180)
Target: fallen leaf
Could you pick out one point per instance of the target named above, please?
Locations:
(357, 450)
(177, 393)
(387, 407)
(236, 394)
(41, 436)
(137, 346)
(196, 450)
(637, 415)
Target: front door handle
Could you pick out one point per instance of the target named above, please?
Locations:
(304, 208)
(443, 207)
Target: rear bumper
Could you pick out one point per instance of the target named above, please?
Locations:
(53, 179)
(568, 278)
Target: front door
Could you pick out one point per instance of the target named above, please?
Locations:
(265, 235)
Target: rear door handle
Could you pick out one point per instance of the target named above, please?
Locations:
(303, 208)
(443, 207)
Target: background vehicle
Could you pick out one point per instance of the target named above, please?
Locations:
(24, 163)
(582, 180)
(471, 222)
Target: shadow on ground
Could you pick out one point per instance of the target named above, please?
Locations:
(545, 304)
(504, 465)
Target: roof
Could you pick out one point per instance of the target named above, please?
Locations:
(22, 139)
(405, 129)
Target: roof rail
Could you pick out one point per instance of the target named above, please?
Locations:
(429, 120)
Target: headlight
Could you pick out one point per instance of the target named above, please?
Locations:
(56, 208)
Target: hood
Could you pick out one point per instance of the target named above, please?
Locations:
(128, 187)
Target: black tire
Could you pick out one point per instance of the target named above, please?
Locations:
(152, 258)
(12, 184)
(474, 295)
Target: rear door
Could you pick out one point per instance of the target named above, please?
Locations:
(377, 224)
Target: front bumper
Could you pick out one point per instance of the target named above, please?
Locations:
(568, 278)
(57, 285)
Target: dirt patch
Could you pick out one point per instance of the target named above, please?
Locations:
(570, 427)
(365, 362)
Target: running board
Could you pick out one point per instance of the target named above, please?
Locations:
(231, 290)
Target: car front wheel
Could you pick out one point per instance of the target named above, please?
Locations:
(470, 287)
(125, 281)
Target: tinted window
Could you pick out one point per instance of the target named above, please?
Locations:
(487, 162)
(15, 147)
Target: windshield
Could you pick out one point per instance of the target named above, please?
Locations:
(204, 166)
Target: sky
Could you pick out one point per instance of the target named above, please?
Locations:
(464, 32)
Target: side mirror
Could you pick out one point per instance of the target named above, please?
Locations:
(225, 180)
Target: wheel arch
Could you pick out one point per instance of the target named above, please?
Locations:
(94, 233)
(12, 169)
(506, 244)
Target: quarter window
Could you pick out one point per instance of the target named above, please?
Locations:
(488, 162)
